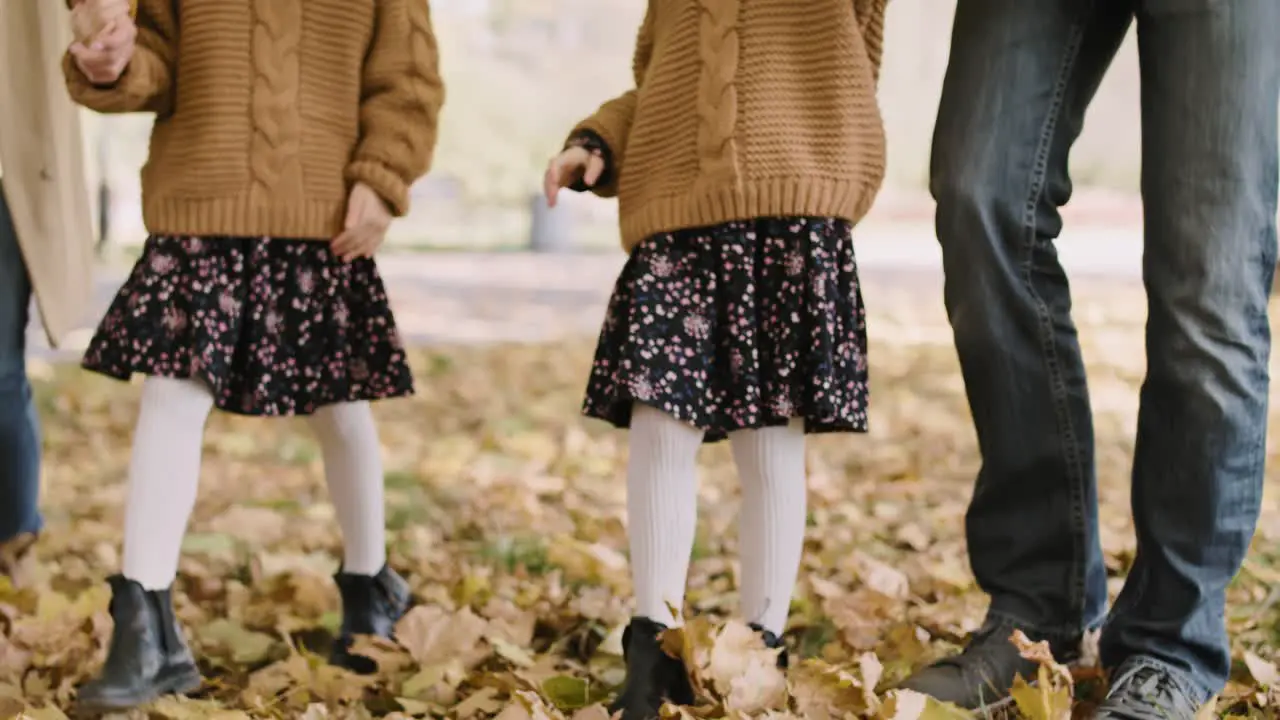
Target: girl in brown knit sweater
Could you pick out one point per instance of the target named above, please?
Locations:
(287, 134)
(748, 148)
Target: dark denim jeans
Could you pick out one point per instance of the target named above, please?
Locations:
(1021, 75)
(19, 428)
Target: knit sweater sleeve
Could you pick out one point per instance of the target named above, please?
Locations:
(147, 82)
(612, 121)
(870, 14)
(400, 103)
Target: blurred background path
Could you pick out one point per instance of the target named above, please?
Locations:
(445, 297)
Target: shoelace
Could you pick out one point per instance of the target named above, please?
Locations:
(1145, 693)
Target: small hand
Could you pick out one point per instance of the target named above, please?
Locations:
(366, 225)
(104, 58)
(89, 18)
(571, 165)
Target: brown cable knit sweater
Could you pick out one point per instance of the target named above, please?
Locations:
(746, 109)
(267, 110)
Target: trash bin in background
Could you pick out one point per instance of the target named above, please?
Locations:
(550, 229)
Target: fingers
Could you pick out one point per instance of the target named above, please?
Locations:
(551, 183)
(109, 9)
(564, 169)
(358, 242)
(101, 67)
(595, 168)
(91, 19)
(119, 35)
(355, 210)
(104, 56)
(345, 245)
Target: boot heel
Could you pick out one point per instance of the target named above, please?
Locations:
(371, 605)
(148, 656)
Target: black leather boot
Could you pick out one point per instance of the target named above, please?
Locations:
(653, 677)
(773, 642)
(371, 605)
(148, 656)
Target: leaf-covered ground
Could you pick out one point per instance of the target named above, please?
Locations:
(506, 512)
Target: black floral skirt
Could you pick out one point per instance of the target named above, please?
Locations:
(273, 326)
(743, 325)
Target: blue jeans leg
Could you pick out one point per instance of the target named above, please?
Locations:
(1020, 77)
(19, 428)
(1210, 86)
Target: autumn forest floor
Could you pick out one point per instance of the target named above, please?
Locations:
(506, 512)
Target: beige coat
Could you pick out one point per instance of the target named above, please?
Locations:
(42, 158)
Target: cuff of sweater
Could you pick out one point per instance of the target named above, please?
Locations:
(607, 185)
(130, 92)
(589, 140)
(393, 190)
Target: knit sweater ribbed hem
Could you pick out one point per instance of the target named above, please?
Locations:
(777, 197)
(240, 217)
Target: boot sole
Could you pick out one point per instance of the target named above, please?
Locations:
(182, 683)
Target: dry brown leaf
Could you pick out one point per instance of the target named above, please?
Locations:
(911, 705)
(1059, 675)
(507, 514)
(434, 636)
(484, 702)
(881, 577)
(1048, 699)
(1263, 671)
(823, 692)
(744, 672)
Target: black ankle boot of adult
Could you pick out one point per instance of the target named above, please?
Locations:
(653, 677)
(371, 605)
(773, 642)
(148, 656)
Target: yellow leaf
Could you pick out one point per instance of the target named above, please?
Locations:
(567, 693)
(911, 705)
(416, 708)
(245, 646)
(1039, 652)
(1044, 701)
(512, 653)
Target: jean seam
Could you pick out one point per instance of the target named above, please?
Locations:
(1075, 469)
(1185, 682)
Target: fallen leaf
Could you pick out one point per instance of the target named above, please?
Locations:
(245, 647)
(1263, 671)
(1046, 700)
(433, 636)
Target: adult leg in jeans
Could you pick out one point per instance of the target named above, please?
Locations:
(19, 431)
(1020, 76)
(1210, 87)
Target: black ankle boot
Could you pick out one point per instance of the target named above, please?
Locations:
(371, 605)
(773, 642)
(652, 676)
(148, 656)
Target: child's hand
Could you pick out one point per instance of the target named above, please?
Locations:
(565, 169)
(366, 227)
(106, 34)
(89, 18)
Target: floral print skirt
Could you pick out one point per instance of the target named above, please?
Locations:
(738, 326)
(273, 326)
